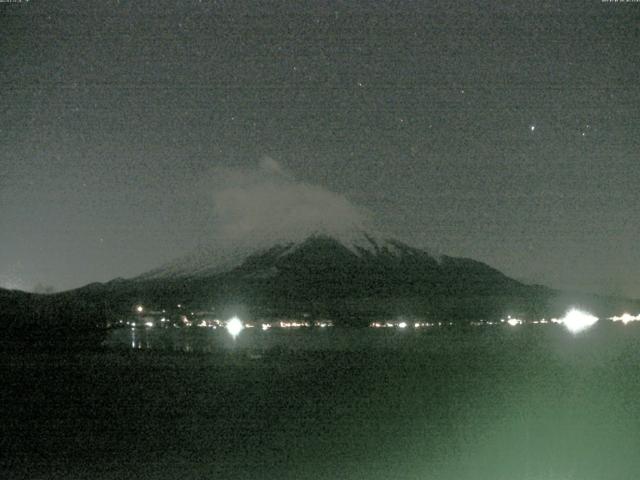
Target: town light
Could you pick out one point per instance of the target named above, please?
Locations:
(626, 318)
(234, 327)
(576, 321)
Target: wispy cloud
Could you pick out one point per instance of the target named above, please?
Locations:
(268, 204)
(256, 208)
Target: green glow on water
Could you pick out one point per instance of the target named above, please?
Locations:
(491, 404)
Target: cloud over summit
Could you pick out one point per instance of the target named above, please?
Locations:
(267, 204)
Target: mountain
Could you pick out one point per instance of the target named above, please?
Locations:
(352, 279)
(68, 320)
(215, 259)
(325, 267)
(355, 277)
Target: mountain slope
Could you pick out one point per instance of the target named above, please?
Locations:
(361, 276)
(211, 260)
(323, 264)
(352, 280)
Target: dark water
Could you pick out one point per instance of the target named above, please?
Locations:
(489, 403)
(206, 340)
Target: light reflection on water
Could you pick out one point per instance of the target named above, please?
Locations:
(588, 345)
(203, 340)
(499, 403)
(503, 403)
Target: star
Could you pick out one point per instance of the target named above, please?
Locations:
(532, 128)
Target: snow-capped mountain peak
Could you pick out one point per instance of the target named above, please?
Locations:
(212, 260)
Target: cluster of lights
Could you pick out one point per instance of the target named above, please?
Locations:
(296, 324)
(512, 322)
(574, 320)
(404, 324)
(234, 326)
(292, 324)
(626, 318)
(210, 323)
(203, 320)
(544, 321)
(481, 323)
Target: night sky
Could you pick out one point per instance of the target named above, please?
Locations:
(508, 132)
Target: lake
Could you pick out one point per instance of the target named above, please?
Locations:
(525, 402)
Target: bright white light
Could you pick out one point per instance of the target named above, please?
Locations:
(626, 318)
(514, 321)
(402, 325)
(139, 309)
(576, 321)
(532, 128)
(234, 327)
(266, 326)
(148, 324)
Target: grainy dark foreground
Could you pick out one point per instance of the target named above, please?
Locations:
(498, 404)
